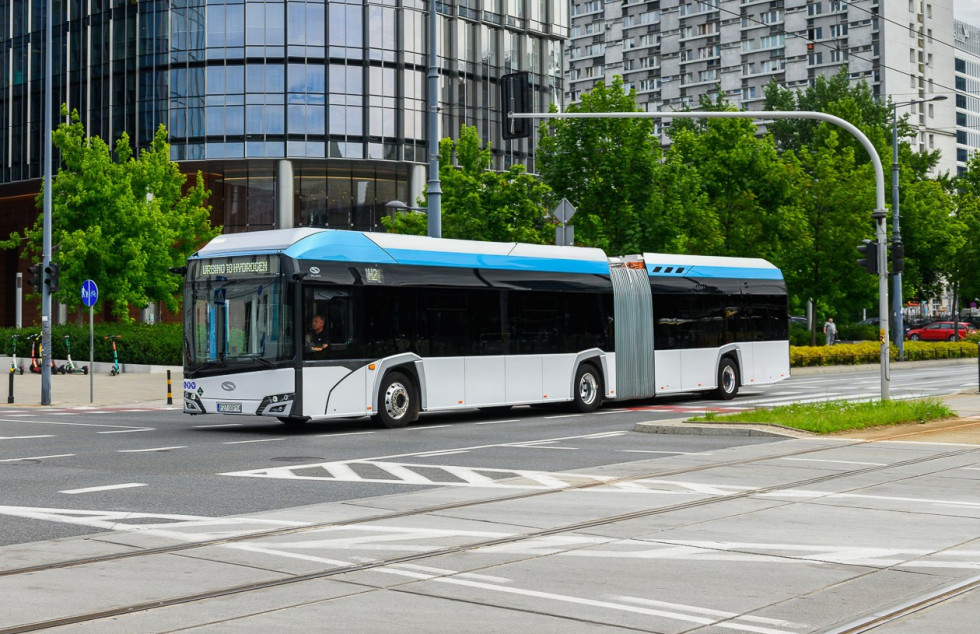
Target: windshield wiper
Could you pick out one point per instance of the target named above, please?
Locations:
(207, 365)
(263, 361)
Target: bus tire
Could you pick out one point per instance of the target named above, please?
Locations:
(727, 380)
(587, 395)
(398, 403)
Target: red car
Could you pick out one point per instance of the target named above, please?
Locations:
(940, 331)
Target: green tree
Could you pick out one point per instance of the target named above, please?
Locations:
(747, 186)
(965, 274)
(122, 222)
(932, 235)
(833, 198)
(855, 103)
(628, 198)
(480, 204)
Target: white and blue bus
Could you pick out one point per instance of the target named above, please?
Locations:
(405, 324)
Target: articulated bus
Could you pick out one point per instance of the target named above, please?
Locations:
(312, 324)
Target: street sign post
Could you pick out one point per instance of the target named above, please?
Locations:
(564, 233)
(90, 295)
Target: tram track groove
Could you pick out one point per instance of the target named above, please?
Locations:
(450, 550)
(917, 604)
(292, 530)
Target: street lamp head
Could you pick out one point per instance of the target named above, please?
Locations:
(914, 101)
(397, 205)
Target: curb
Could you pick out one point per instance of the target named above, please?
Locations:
(861, 367)
(687, 428)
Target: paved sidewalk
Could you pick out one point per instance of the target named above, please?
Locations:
(142, 386)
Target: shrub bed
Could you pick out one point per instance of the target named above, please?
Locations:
(159, 344)
(870, 352)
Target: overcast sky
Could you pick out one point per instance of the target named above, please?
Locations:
(967, 11)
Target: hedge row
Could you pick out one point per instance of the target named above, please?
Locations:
(159, 344)
(870, 352)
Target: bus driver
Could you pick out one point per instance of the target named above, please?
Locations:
(318, 341)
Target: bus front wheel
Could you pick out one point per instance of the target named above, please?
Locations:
(727, 380)
(588, 388)
(397, 401)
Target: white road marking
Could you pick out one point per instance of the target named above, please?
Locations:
(498, 422)
(678, 453)
(152, 449)
(216, 426)
(425, 427)
(120, 428)
(108, 487)
(245, 442)
(451, 452)
(24, 437)
(350, 433)
(61, 455)
(706, 611)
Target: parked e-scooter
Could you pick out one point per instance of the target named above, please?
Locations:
(115, 356)
(14, 368)
(35, 366)
(37, 354)
(69, 367)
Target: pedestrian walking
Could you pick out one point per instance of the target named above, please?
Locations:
(830, 330)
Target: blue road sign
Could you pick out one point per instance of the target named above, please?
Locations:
(90, 293)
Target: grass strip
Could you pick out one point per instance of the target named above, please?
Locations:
(832, 416)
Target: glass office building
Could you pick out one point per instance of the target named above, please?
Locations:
(298, 112)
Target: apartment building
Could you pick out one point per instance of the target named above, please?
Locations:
(967, 103)
(674, 51)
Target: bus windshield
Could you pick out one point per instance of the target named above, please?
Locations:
(237, 324)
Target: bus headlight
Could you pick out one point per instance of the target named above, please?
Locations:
(276, 405)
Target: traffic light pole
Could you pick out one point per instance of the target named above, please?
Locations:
(46, 257)
(879, 213)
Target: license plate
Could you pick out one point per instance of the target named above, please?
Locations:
(230, 408)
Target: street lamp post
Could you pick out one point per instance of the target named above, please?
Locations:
(896, 233)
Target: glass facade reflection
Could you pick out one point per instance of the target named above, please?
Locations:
(327, 95)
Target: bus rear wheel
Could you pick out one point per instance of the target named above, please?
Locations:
(727, 380)
(397, 401)
(588, 388)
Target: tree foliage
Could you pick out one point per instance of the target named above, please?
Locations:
(481, 204)
(122, 222)
(628, 197)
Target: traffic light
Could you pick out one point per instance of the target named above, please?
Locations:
(34, 273)
(898, 257)
(51, 272)
(515, 96)
(869, 250)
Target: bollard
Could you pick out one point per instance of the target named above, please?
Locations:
(170, 392)
(10, 394)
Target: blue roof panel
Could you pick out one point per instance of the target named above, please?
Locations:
(500, 262)
(340, 246)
